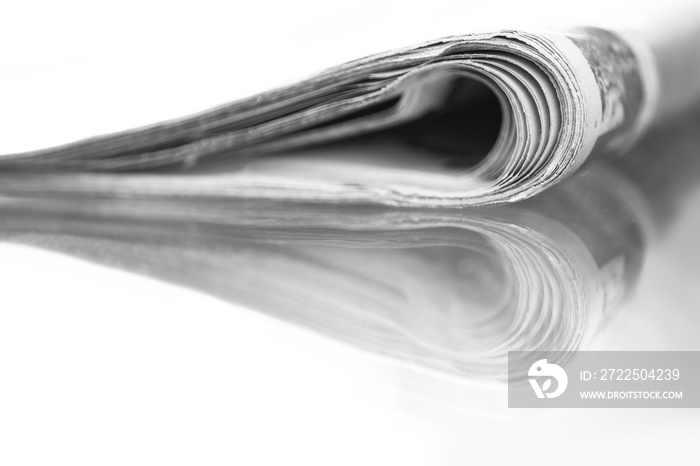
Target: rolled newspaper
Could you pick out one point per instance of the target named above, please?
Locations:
(487, 118)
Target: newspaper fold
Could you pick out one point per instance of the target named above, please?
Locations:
(487, 118)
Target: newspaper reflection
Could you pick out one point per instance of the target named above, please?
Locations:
(447, 290)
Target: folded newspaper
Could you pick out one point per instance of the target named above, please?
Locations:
(467, 120)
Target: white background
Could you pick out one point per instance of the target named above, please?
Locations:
(99, 366)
